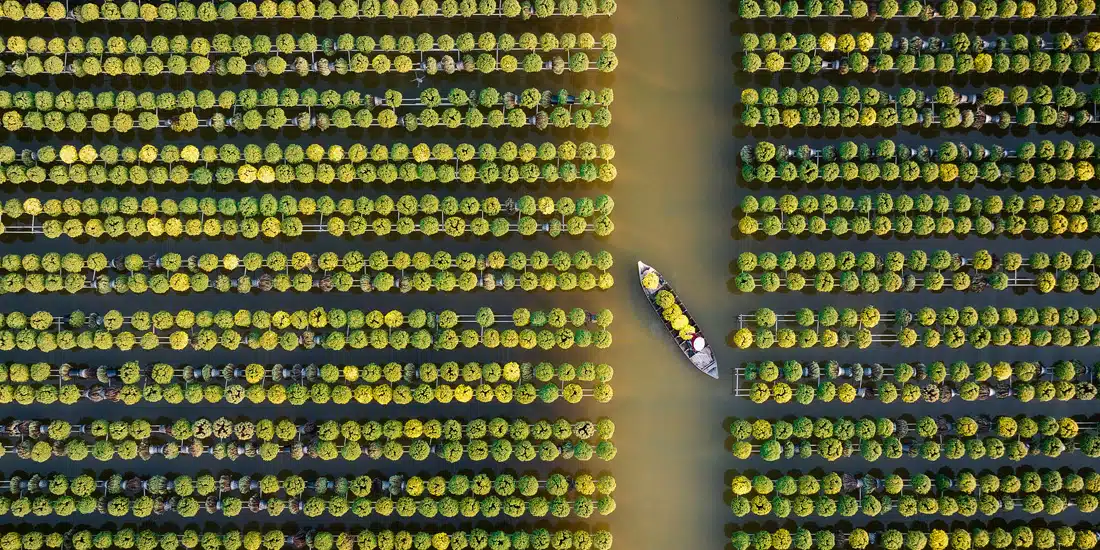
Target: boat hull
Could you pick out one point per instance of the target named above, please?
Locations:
(703, 359)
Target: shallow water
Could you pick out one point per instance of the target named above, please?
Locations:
(675, 149)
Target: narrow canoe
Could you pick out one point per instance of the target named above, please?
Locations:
(703, 359)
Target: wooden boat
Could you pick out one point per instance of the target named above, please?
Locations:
(696, 350)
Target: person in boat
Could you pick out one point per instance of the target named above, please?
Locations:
(696, 343)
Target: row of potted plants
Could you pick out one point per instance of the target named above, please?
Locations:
(926, 427)
(276, 154)
(305, 120)
(906, 272)
(923, 203)
(915, 383)
(890, 117)
(267, 538)
(356, 329)
(908, 506)
(912, 495)
(288, 205)
(286, 430)
(959, 278)
(922, 225)
(287, 43)
(443, 171)
(206, 484)
(805, 262)
(133, 373)
(498, 450)
(351, 261)
(887, 150)
(271, 216)
(420, 272)
(853, 96)
(957, 53)
(866, 42)
(978, 337)
(1010, 481)
(921, 215)
(392, 383)
(85, 101)
(317, 318)
(187, 10)
(314, 163)
(936, 372)
(986, 505)
(806, 393)
(896, 261)
(928, 449)
(223, 438)
(858, 62)
(955, 327)
(304, 109)
(118, 227)
(319, 393)
(1040, 163)
(945, 107)
(483, 496)
(83, 65)
(919, 9)
(335, 506)
(946, 117)
(910, 537)
(445, 280)
(672, 311)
